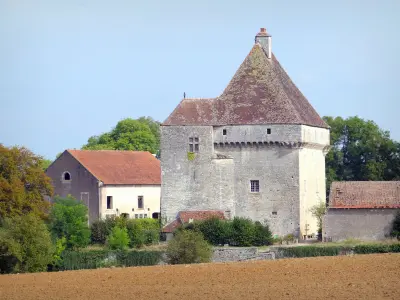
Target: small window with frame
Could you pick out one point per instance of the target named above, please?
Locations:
(254, 186)
(193, 144)
(109, 202)
(140, 202)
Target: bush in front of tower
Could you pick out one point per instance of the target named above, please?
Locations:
(239, 232)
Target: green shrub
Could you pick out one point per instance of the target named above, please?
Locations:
(188, 247)
(136, 234)
(25, 245)
(99, 232)
(372, 248)
(60, 246)
(77, 260)
(215, 231)
(118, 239)
(395, 248)
(243, 232)
(143, 232)
(68, 218)
(289, 238)
(310, 251)
(262, 234)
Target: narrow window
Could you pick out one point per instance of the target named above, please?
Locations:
(145, 215)
(254, 186)
(140, 201)
(268, 130)
(194, 144)
(136, 216)
(67, 176)
(109, 202)
(224, 132)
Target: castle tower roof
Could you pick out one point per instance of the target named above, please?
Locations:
(259, 93)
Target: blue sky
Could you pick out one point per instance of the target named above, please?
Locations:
(73, 69)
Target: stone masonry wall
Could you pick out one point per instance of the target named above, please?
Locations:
(240, 254)
(204, 183)
(229, 157)
(363, 224)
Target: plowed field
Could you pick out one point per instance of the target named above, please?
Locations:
(356, 277)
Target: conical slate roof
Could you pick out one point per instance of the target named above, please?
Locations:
(259, 93)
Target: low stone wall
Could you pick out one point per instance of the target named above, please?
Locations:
(225, 254)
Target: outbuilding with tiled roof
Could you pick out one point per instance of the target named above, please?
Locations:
(109, 182)
(361, 210)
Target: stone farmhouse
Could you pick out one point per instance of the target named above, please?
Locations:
(110, 183)
(362, 210)
(257, 150)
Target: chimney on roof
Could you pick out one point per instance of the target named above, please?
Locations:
(264, 39)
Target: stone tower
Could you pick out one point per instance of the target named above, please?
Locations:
(258, 150)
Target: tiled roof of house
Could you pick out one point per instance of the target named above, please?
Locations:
(365, 194)
(120, 167)
(259, 93)
(197, 215)
(200, 215)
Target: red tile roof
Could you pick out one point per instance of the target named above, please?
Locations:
(259, 93)
(120, 167)
(365, 194)
(198, 215)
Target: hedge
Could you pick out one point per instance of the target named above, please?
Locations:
(313, 251)
(310, 251)
(77, 260)
(376, 248)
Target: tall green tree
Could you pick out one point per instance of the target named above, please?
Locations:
(360, 151)
(23, 184)
(68, 219)
(142, 134)
(25, 245)
(45, 164)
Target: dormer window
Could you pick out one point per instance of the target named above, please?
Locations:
(66, 176)
(193, 144)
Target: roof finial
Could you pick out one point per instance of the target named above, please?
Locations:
(184, 95)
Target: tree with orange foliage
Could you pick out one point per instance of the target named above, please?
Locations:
(23, 183)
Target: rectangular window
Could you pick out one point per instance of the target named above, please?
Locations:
(224, 132)
(145, 215)
(268, 130)
(140, 201)
(254, 186)
(109, 202)
(193, 144)
(136, 216)
(141, 216)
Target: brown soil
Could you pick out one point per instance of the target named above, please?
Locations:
(356, 277)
